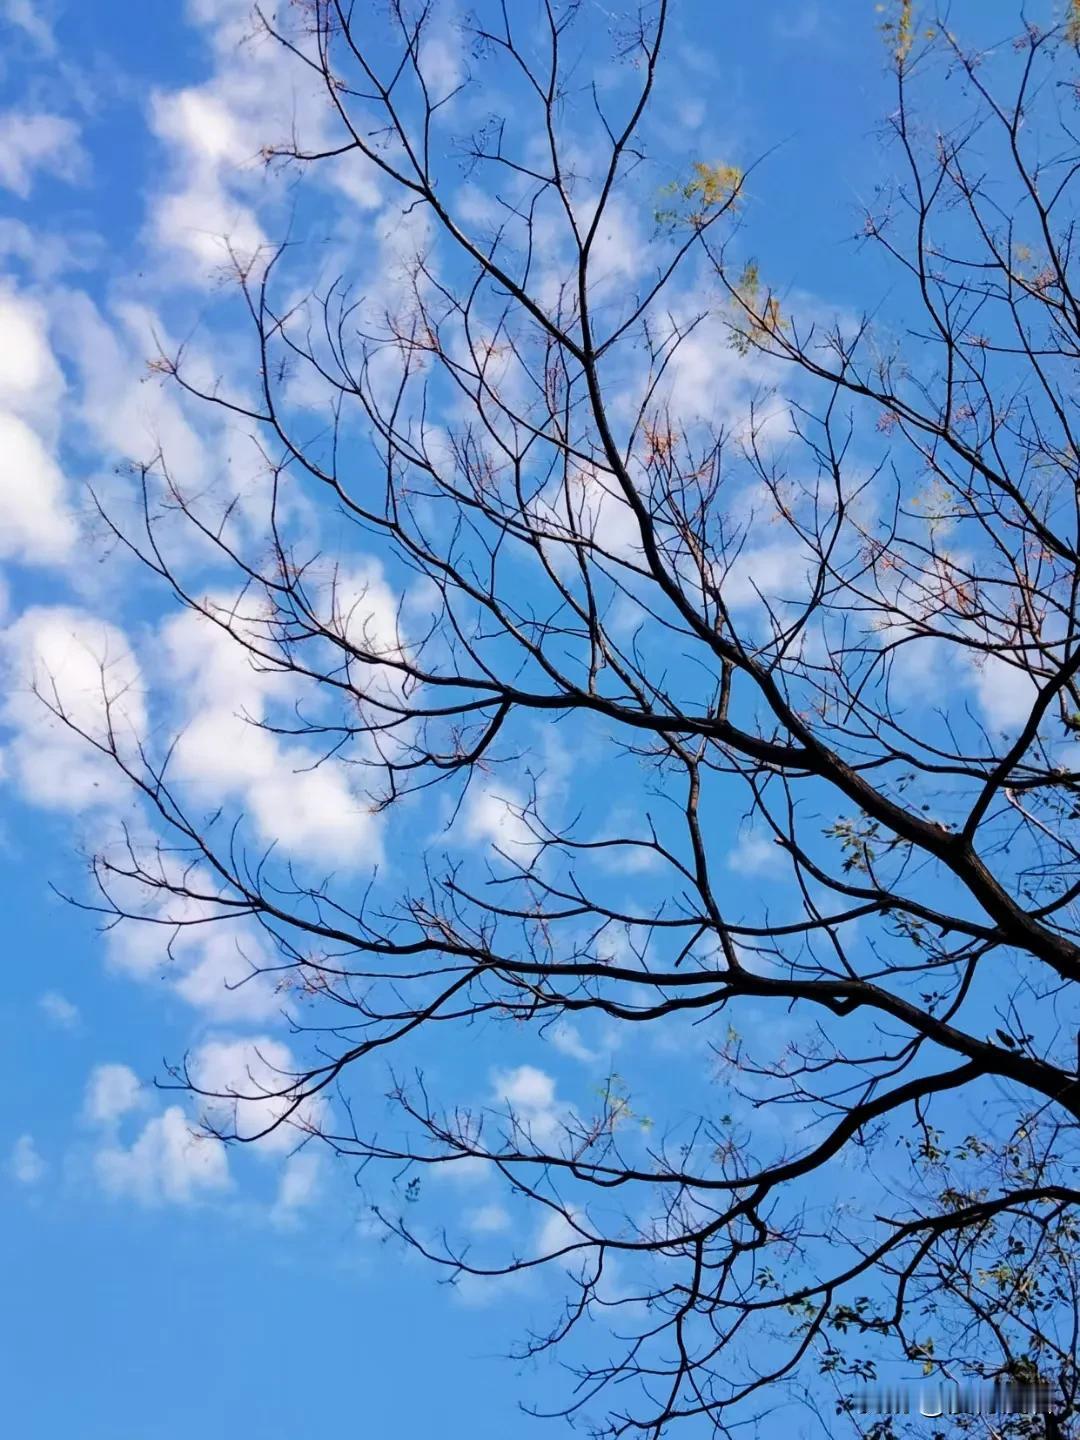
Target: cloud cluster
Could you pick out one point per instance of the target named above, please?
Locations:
(38, 143)
(68, 675)
(527, 1095)
(25, 1165)
(36, 522)
(169, 1163)
(294, 798)
(59, 1010)
(216, 137)
(176, 1157)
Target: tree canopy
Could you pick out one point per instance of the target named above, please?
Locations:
(733, 630)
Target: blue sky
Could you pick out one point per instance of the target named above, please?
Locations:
(151, 1295)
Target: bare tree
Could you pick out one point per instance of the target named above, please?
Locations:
(772, 622)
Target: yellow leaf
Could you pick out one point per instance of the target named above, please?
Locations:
(716, 184)
(900, 33)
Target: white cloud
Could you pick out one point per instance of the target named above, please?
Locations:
(199, 121)
(619, 250)
(776, 572)
(493, 814)
(29, 17)
(917, 667)
(45, 255)
(692, 111)
(560, 1231)
(85, 667)
(756, 854)
(528, 1093)
(229, 20)
(206, 223)
(111, 1092)
(1005, 692)
(249, 1087)
(210, 149)
(567, 1040)
(306, 810)
(306, 807)
(479, 1291)
(464, 1170)
(31, 381)
(222, 982)
(59, 1010)
(130, 419)
(487, 1220)
(212, 964)
(441, 61)
(25, 1163)
(36, 143)
(708, 380)
(298, 1187)
(556, 1233)
(175, 1159)
(35, 523)
(526, 1088)
(359, 606)
(169, 1163)
(215, 136)
(586, 506)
